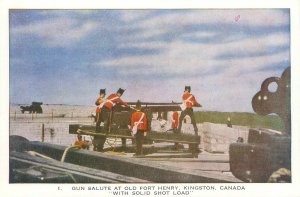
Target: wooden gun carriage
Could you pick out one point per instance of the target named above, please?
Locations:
(118, 128)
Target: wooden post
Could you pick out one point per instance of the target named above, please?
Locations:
(15, 117)
(43, 132)
(31, 115)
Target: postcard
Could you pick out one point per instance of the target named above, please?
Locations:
(153, 99)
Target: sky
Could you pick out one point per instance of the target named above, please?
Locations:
(66, 56)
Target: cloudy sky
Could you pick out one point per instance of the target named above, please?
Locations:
(66, 56)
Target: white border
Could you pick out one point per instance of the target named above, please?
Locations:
(51, 189)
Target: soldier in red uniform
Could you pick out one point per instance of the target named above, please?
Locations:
(139, 120)
(189, 100)
(110, 102)
(99, 105)
(175, 120)
(98, 140)
(81, 143)
(107, 114)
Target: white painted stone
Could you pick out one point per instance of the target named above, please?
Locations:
(218, 137)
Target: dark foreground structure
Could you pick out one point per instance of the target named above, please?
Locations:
(267, 155)
(37, 162)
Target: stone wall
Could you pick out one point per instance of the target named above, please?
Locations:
(216, 138)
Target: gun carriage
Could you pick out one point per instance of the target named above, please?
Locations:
(35, 107)
(118, 127)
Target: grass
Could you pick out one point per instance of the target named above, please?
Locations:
(241, 118)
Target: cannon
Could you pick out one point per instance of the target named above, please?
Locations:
(266, 157)
(35, 107)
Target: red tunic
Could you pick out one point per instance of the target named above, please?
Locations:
(112, 100)
(136, 116)
(189, 102)
(175, 120)
(80, 144)
(98, 102)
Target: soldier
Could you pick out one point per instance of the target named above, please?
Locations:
(81, 143)
(138, 125)
(175, 121)
(98, 140)
(188, 102)
(99, 101)
(110, 102)
(106, 114)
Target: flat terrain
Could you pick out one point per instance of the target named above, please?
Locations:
(242, 119)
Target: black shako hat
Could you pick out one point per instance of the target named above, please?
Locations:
(121, 91)
(102, 91)
(187, 88)
(138, 104)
